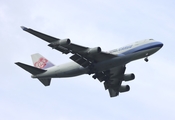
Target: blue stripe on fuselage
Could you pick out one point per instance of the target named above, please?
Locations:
(143, 47)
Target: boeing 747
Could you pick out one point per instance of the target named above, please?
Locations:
(107, 67)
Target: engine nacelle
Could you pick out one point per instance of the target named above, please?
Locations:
(128, 77)
(94, 51)
(60, 42)
(124, 88)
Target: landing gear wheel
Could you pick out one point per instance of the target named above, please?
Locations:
(146, 59)
(94, 76)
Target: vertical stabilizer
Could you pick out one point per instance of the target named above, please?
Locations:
(41, 62)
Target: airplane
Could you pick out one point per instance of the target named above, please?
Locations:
(108, 67)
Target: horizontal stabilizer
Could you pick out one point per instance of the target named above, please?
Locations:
(30, 69)
(45, 81)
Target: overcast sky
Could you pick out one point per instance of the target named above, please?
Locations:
(108, 24)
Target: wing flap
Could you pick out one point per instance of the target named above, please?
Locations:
(80, 60)
(113, 92)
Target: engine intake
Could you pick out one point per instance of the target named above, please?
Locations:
(94, 51)
(124, 88)
(128, 77)
(60, 42)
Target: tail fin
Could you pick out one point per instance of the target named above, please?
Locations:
(41, 62)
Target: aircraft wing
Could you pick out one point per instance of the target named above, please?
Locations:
(84, 56)
(112, 80)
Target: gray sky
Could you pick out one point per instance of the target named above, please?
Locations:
(108, 24)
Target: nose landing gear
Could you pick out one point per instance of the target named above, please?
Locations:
(146, 59)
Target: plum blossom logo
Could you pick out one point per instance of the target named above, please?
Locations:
(41, 63)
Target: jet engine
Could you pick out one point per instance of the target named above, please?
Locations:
(128, 77)
(60, 42)
(94, 51)
(124, 88)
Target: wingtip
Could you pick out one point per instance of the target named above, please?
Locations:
(17, 63)
(24, 28)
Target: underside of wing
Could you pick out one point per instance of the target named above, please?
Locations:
(84, 56)
(85, 60)
(43, 36)
(113, 79)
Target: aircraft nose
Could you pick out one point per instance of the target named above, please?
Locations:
(160, 44)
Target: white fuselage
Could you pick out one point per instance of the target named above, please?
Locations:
(124, 55)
